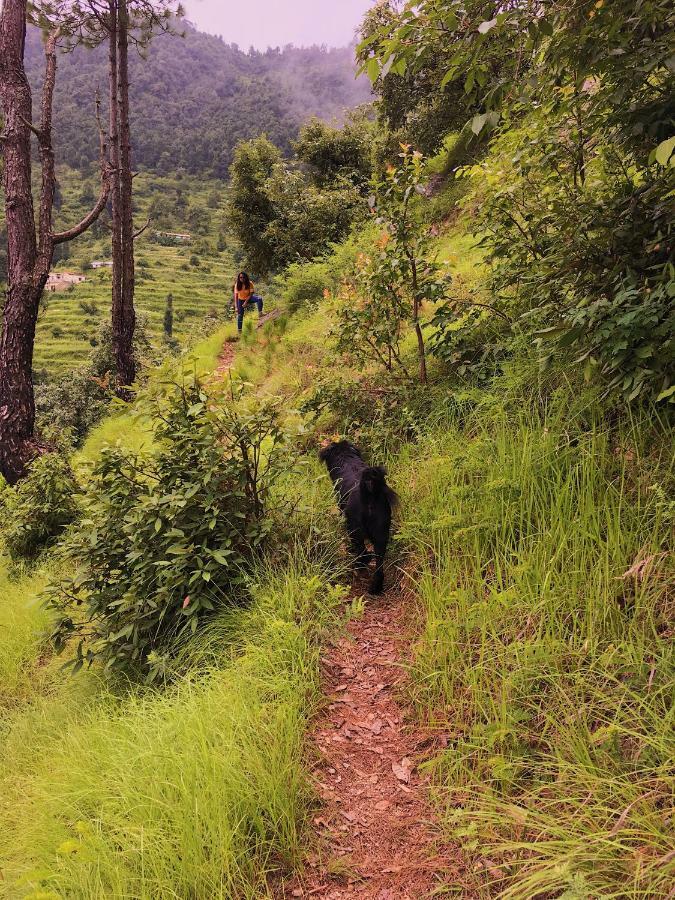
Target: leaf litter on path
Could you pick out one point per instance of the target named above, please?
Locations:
(374, 837)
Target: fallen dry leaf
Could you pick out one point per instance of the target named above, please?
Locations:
(402, 770)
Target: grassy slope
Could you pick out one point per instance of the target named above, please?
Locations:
(548, 672)
(197, 791)
(109, 790)
(65, 329)
(548, 668)
(22, 626)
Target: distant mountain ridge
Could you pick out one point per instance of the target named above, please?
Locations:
(194, 97)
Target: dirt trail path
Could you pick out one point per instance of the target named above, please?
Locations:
(376, 838)
(226, 359)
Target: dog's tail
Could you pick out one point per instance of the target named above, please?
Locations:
(373, 485)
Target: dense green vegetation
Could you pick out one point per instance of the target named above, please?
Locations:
(283, 212)
(196, 96)
(494, 324)
(575, 203)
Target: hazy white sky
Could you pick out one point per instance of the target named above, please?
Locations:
(271, 23)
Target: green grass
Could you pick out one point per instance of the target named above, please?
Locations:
(129, 431)
(547, 666)
(23, 626)
(198, 791)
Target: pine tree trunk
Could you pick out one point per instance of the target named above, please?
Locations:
(17, 406)
(126, 369)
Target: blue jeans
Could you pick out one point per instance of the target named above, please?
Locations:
(242, 307)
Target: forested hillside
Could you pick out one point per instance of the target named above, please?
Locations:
(195, 96)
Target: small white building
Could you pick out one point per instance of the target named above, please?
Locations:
(61, 281)
(176, 237)
(102, 264)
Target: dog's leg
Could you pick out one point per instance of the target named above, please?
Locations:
(377, 582)
(358, 548)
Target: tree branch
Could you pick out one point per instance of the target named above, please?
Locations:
(493, 309)
(36, 131)
(61, 237)
(144, 228)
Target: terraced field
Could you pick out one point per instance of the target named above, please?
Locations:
(198, 274)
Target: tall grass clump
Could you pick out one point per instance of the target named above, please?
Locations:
(546, 657)
(198, 791)
(23, 632)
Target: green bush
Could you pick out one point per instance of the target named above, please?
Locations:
(303, 284)
(33, 515)
(380, 415)
(166, 538)
(69, 406)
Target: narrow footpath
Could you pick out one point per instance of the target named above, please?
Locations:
(375, 836)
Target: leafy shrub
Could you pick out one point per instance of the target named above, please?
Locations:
(303, 284)
(379, 415)
(33, 515)
(167, 537)
(471, 343)
(72, 404)
(102, 360)
(69, 406)
(89, 308)
(590, 266)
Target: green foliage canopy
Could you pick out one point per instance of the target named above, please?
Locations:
(577, 214)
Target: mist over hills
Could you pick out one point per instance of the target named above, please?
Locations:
(195, 96)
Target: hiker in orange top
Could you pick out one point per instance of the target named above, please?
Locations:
(243, 292)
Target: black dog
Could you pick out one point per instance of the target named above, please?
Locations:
(366, 500)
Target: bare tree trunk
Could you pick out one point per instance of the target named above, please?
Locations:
(17, 406)
(117, 310)
(29, 257)
(126, 370)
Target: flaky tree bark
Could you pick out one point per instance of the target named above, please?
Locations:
(29, 255)
(17, 406)
(123, 274)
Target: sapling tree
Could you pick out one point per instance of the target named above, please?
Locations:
(398, 277)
